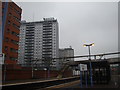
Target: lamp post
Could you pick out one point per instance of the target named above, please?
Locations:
(45, 72)
(32, 71)
(89, 45)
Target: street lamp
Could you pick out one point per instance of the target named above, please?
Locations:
(89, 45)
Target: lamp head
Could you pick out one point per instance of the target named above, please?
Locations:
(93, 44)
(84, 45)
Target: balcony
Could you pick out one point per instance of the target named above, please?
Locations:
(47, 25)
(29, 32)
(29, 53)
(44, 53)
(47, 47)
(29, 45)
(29, 42)
(29, 48)
(47, 50)
(47, 39)
(30, 35)
(28, 56)
(47, 56)
(47, 35)
(47, 31)
(47, 28)
(30, 26)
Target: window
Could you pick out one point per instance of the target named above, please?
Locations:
(8, 31)
(16, 18)
(14, 33)
(6, 39)
(17, 11)
(13, 58)
(13, 50)
(11, 6)
(9, 14)
(16, 26)
(14, 42)
(8, 22)
(6, 48)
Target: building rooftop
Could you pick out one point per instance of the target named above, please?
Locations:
(66, 49)
(44, 20)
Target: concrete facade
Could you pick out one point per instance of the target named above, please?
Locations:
(66, 52)
(39, 41)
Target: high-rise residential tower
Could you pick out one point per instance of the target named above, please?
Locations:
(11, 17)
(39, 41)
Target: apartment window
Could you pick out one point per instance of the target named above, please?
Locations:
(13, 50)
(10, 14)
(6, 39)
(8, 31)
(6, 48)
(15, 42)
(14, 33)
(2, 11)
(8, 22)
(16, 18)
(16, 26)
(13, 58)
(11, 6)
(17, 11)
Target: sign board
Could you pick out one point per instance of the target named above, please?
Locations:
(83, 67)
(1, 58)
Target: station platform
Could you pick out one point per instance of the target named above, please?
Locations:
(25, 81)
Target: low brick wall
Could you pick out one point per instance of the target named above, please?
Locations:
(27, 74)
(20, 73)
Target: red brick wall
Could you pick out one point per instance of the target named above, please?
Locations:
(45, 74)
(27, 74)
(16, 72)
(68, 73)
(19, 74)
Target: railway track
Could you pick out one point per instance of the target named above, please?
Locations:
(38, 84)
(64, 85)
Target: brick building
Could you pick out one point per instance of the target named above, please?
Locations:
(11, 17)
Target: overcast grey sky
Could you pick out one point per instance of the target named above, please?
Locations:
(79, 23)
